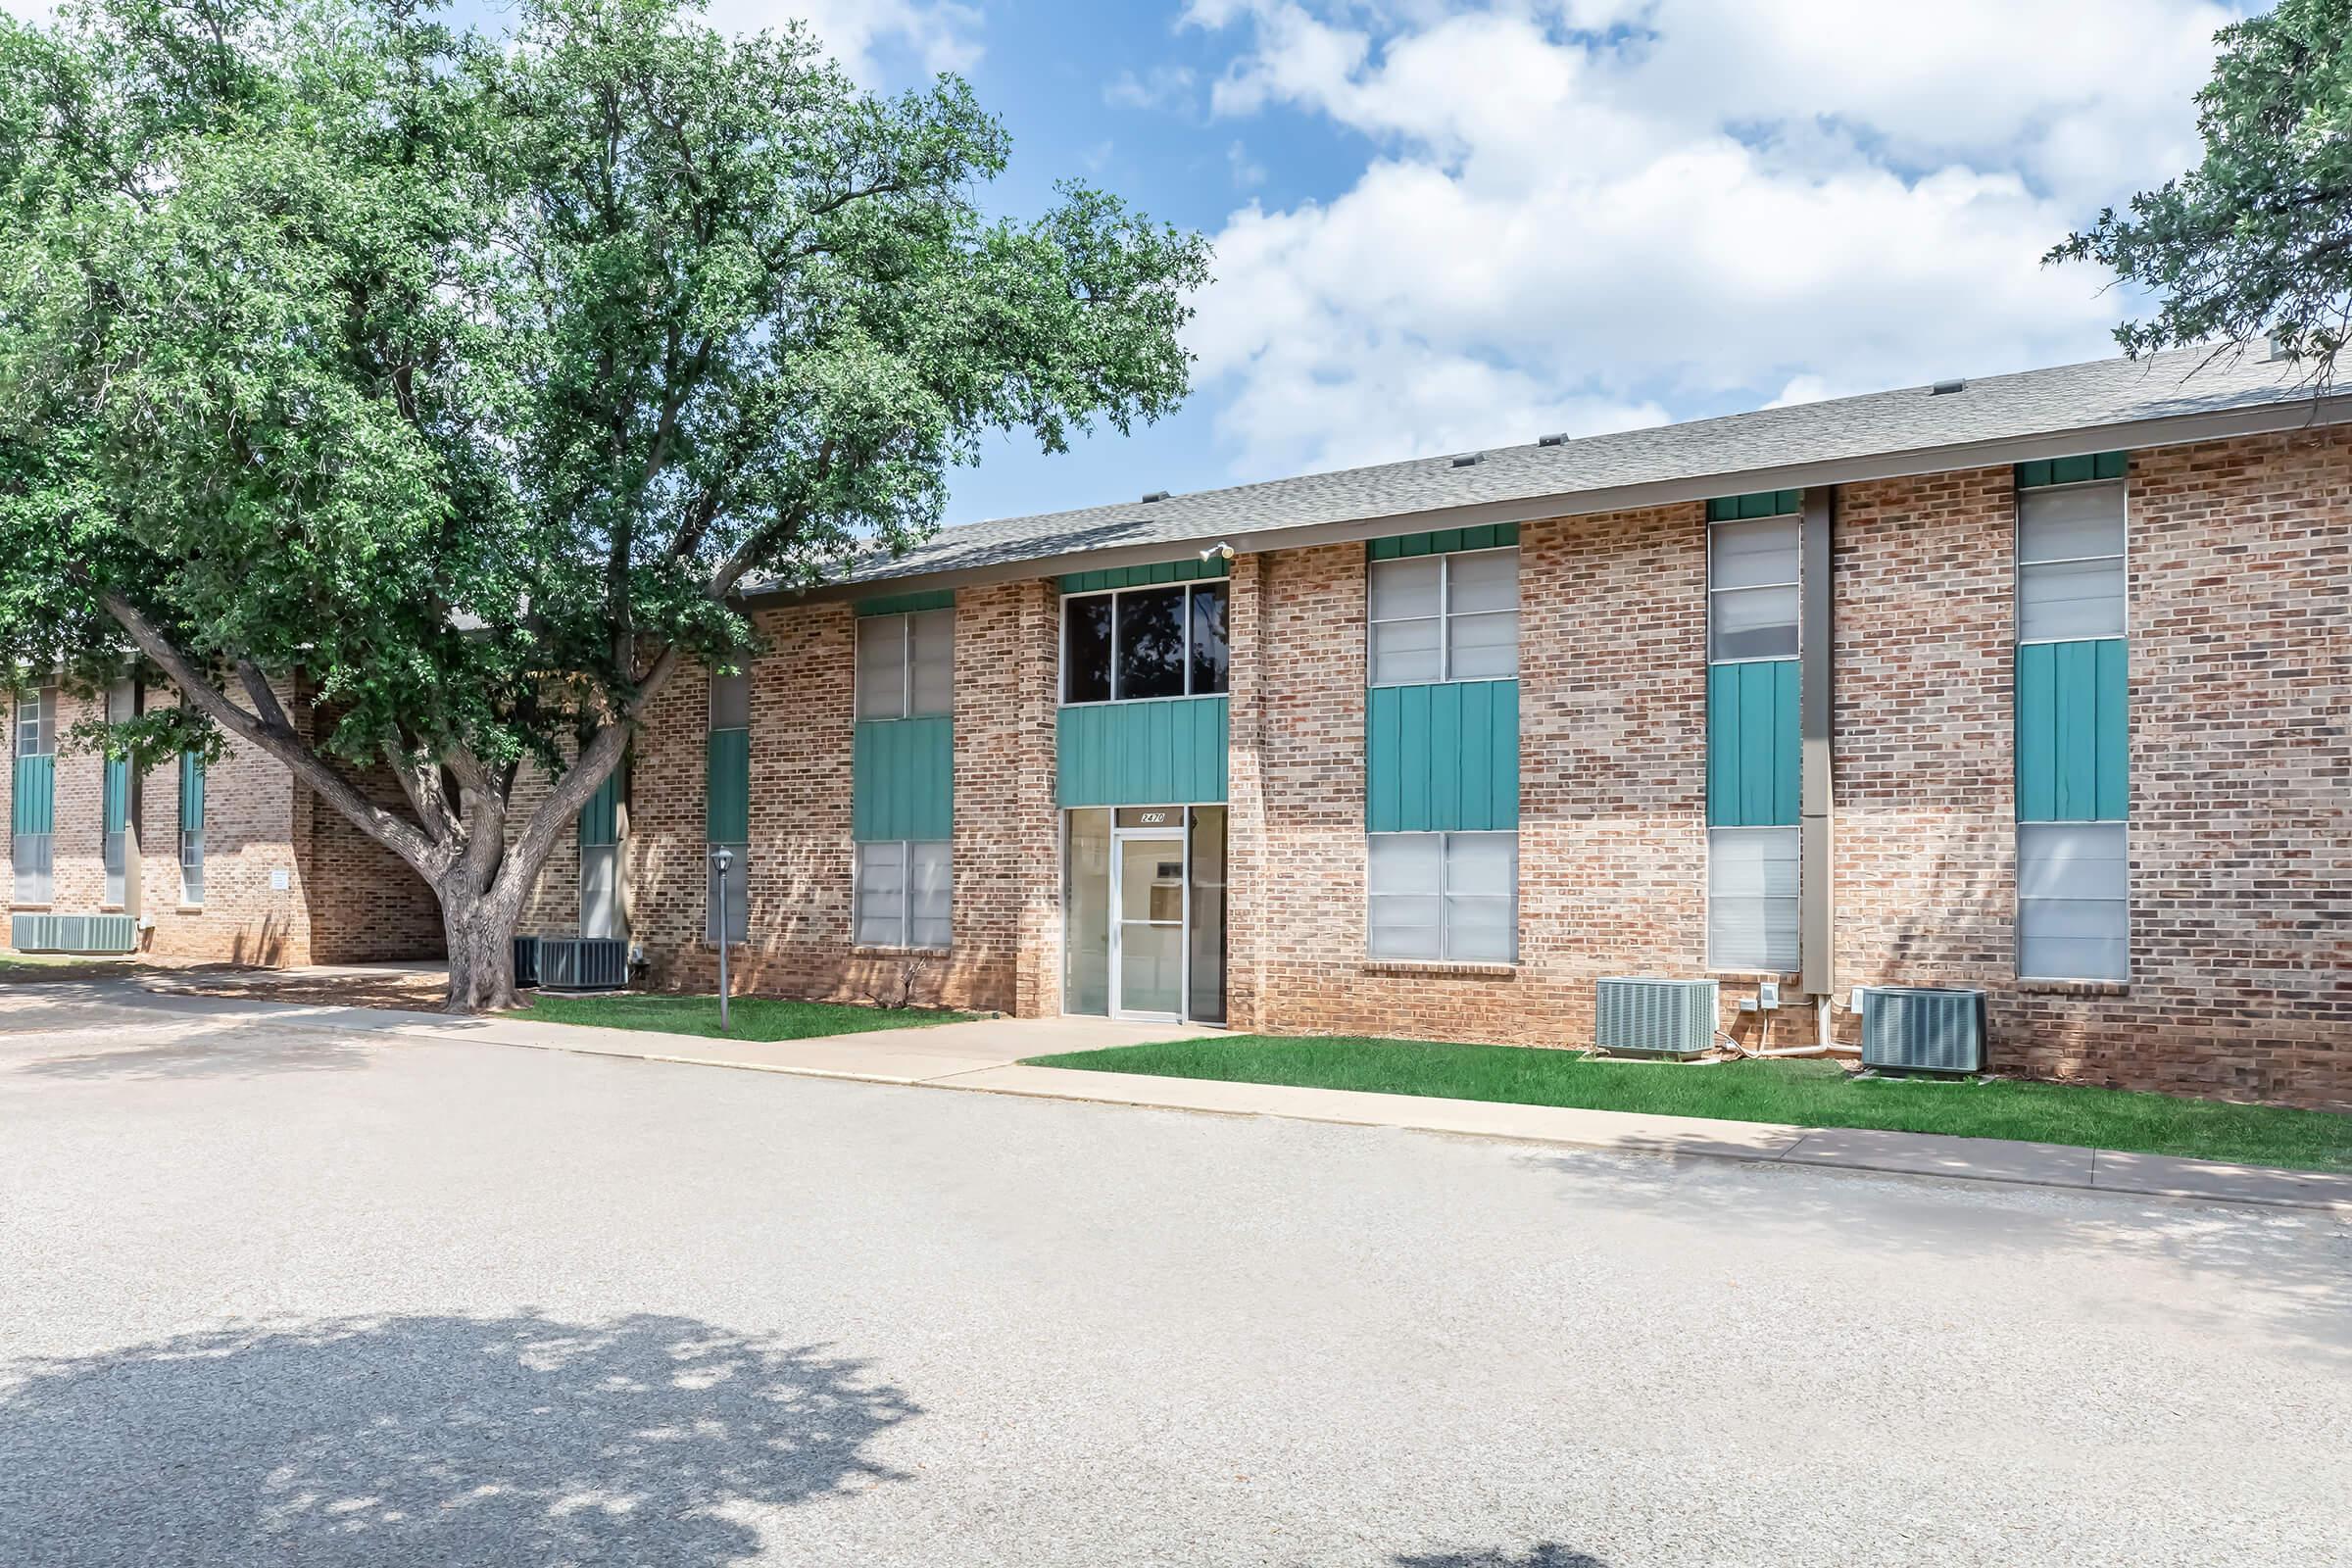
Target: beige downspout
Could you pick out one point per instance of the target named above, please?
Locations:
(1817, 923)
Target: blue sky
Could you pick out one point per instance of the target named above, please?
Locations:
(1450, 223)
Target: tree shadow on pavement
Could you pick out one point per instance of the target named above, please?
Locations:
(521, 1441)
(1548, 1554)
(181, 1048)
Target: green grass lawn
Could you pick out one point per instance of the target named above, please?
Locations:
(1805, 1093)
(752, 1017)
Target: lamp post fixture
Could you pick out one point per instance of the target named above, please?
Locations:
(723, 857)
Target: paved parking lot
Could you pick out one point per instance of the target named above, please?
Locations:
(271, 1295)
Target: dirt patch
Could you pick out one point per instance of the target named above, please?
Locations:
(412, 993)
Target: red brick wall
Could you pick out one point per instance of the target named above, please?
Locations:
(2242, 769)
(1613, 788)
(1006, 952)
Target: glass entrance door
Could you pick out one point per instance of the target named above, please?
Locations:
(1147, 943)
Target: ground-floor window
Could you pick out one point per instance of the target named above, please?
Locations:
(2073, 906)
(1445, 897)
(1752, 913)
(738, 890)
(191, 829)
(600, 891)
(902, 894)
(29, 864)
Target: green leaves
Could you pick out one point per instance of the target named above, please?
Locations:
(2256, 241)
(466, 377)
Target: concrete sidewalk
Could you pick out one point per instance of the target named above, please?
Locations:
(985, 1056)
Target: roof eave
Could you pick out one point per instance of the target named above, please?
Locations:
(2181, 429)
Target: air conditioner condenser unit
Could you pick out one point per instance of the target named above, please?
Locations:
(1646, 1017)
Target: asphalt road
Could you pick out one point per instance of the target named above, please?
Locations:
(270, 1297)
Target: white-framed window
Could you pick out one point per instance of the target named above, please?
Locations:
(1751, 589)
(902, 894)
(30, 851)
(2074, 911)
(1445, 897)
(2070, 562)
(1752, 913)
(906, 664)
(1127, 645)
(1445, 617)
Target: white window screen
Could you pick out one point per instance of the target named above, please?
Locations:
(28, 857)
(2073, 913)
(1751, 899)
(738, 894)
(1445, 617)
(191, 865)
(731, 700)
(600, 891)
(906, 664)
(901, 897)
(1447, 897)
(1751, 582)
(2069, 563)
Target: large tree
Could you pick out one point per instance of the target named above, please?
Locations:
(467, 380)
(2256, 241)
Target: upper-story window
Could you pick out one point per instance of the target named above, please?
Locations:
(1135, 643)
(1751, 589)
(906, 664)
(2069, 563)
(1445, 617)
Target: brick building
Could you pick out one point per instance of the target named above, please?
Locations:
(2040, 683)
(233, 861)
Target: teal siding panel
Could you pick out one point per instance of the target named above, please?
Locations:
(2072, 471)
(904, 779)
(115, 789)
(2112, 802)
(1755, 504)
(1190, 569)
(1443, 541)
(1441, 757)
(728, 786)
(2072, 731)
(35, 796)
(907, 603)
(1754, 744)
(191, 793)
(1168, 752)
(599, 819)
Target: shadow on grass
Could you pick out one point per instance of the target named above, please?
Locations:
(521, 1441)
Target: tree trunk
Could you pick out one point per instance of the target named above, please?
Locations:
(479, 928)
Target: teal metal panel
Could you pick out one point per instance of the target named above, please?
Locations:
(903, 784)
(907, 603)
(1490, 536)
(1190, 569)
(2072, 731)
(1167, 751)
(1441, 757)
(1756, 504)
(599, 819)
(1754, 744)
(33, 808)
(115, 794)
(2072, 471)
(191, 793)
(727, 786)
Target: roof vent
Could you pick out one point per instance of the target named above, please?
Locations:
(1943, 389)
(2273, 350)
(1561, 440)
(1157, 495)
(1470, 460)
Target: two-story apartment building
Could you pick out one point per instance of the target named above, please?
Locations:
(2040, 683)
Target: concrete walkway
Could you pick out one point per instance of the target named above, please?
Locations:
(985, 1054)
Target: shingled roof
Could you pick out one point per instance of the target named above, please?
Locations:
(2098, 405)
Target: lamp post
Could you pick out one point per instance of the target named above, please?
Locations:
(720, 858)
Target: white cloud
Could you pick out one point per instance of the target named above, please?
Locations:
(939, 35)
(1716, 203)
(1247, 173)
(1160, 87)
